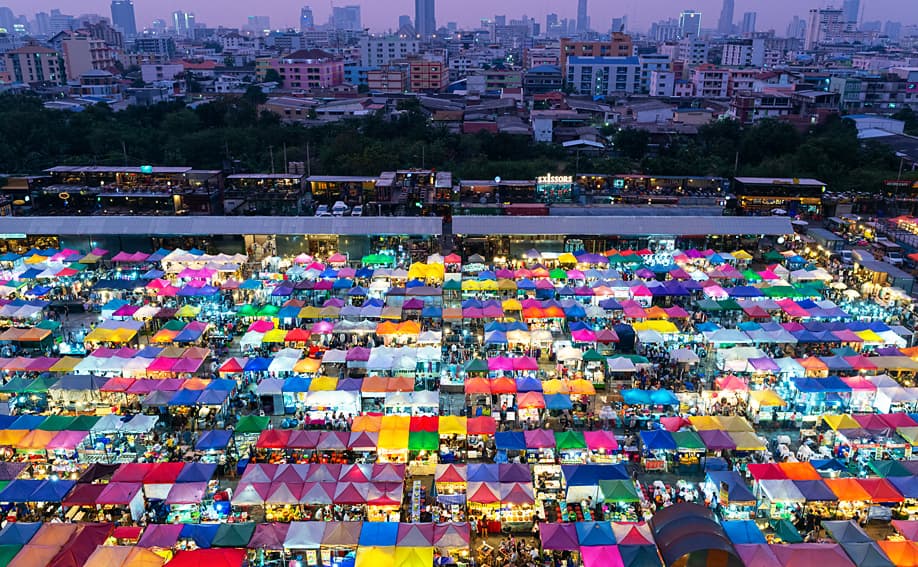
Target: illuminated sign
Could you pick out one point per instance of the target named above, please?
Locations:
(554, 179)
(146, 169)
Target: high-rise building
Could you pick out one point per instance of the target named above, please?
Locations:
(796, 29)
(893, 30)
(59, 22)
(689, 23)
(34, 63)
(725, 23)
(346, 18)
(7, 19)
(258, 24)
(123, 17)
(620, 24)
(425, 19)
(823, 25)
(159, 26)
(307, 22)
(183, 23)
(583, 17)
(404, 21)
(553, 27)
(852, 11)
(749, 22)
(42, 24)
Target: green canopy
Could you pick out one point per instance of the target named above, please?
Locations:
(247, 310)
(378, 259)
(635, 358)
(174, 325)
(887, 469)
(593, 355)
(570, 440)
(49, 325)
(268, 310)
(7, 553)
(730, 305)
(233, 535)
(618, 491)
(452, 285)
(752, 276)
(779, 291)
(57, 423)
(423, 441)
(708, 305)
(252, 424)
(84, 422)
(688, 440)
(15, 385)
(773, 256)
(476, 365)
(786, 531)
(557, 274)
(41, 384)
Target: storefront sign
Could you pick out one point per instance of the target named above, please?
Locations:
(724, 495)
(554, 179)
(654, 465)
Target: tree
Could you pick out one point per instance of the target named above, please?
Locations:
(272, 76)
(631, 143)
(908, 116)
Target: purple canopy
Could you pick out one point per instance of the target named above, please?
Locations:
(764, 364)
(716, 440)
(160, 535)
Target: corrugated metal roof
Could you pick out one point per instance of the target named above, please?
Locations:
(624, 226)
(203, 225)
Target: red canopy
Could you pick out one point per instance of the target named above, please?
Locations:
(225, 557)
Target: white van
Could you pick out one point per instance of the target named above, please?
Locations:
(339, 209)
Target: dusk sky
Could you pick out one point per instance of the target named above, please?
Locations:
(380, 15)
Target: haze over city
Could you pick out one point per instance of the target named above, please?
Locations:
(383, 15)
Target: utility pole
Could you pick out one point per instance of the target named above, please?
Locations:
(124, 153)
(271, 149)
(308, 166)
(286, 170)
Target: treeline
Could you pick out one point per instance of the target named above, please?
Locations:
(229, 130)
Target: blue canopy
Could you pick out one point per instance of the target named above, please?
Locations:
(250, 284)
(590, 475)
(510, 440)
(829, 465)
(212, 397)
(484, 472)
(743, 532)
(213, 439)
(258, 364)
(815, 490)
(558, 402)
(297, 384)
(907, 485)
(496, 338)
(737, 491)
(636, 397)
(378, 534)
(19, 491)
(19, 533)
(528, 384)
(185, 398)
(27, 422)
(343, 283)
(202, 534)
(658, 439)
(432, 312)
(222, 384)
(197, 472)
(592, 534)
(52, 490)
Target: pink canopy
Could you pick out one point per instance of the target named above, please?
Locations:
(601, 556)
(596, 440)
(68, 440)
(525, 363)
(500, 363)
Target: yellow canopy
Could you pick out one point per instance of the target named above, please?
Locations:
(567, 258)
(66, 364)
(453, 425)
(396, 422)
(733, 423)
(307, 365)
(187, 311)
(704, 422)
(323, 384)
(413, 556)
(582, 387)
(506, 285)
(746, 441)
(98, 335)
(471, 285)
(310, 312)
(122, 335)
(487, 285)
(910, 434)
(843, 421)
(511, 305)
(274, 336)
(555, 386)
(870, 337)
(35, 259)
(10, 437)
(393, 439)
(36, 440)
(742, 255)
(660, 326)
(371, 423)
(766, 398)
(376, 557)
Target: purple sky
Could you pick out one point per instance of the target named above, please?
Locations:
(381, 15)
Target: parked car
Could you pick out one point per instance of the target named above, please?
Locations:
(357, 211)
(339, 209)
(322, 211)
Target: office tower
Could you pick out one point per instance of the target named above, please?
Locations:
(7, 19)
(620, 24)
(748, 22)
(258, 24)
(689, 23)
(123, 17)
(42, 24)
(404, 21)
(725, 23)
(500, 21)
(425, 20)
(159, 26)
(823, 26)
(893, 30)
(183, 23)
(59, 22)
(346, 18)
(583, 19)
(852, 11)
(306, 20)
(796, 29)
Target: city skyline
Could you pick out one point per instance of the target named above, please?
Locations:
(379, 17)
